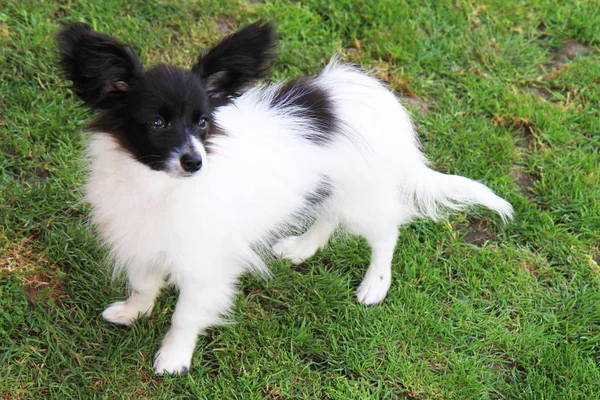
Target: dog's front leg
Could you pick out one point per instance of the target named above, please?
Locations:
(199, 307)
(144, 285)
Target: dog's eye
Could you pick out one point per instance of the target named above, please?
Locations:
(158, 123)
(202, 123)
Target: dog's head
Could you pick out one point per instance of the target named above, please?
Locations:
(162, 116)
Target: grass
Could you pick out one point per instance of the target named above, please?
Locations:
(504, 91)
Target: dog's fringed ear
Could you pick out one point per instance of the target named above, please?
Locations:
(236, 61)
(101, 69)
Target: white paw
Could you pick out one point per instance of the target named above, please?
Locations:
(373, 287)
(124, 313)
(174, 356)
(295, 249)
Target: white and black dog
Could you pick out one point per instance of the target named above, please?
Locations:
(191, 177)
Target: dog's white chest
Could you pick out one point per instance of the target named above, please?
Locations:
(130, 204)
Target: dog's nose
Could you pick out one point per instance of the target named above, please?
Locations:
(191, 162)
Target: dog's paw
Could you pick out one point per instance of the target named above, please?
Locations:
(174, 357)
(123, 313)
(373, 288)
(169, 363)
(295, 249)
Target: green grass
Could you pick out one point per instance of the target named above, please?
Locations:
(476, 310)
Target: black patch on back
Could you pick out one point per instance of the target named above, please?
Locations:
(320, 193)
(307, 213)
(312, 103)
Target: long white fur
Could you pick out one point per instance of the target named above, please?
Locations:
(203, 231)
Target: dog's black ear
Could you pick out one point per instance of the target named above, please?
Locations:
(102, 69)
(236, 61)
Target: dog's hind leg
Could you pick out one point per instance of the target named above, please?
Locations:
(299, 248)
(378, 278)
(145, 286)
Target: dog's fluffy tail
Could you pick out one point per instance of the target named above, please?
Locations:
(435, 194)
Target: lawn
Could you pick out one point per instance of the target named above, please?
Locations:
(506, 92)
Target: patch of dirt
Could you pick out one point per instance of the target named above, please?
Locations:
(59, 13)
(569, 94)
(559, 61)
(272, 393)
(42, 286)
(527, 266)
(408, 395)
(394, 77)
(420, 105)
(596, 258)
(541, 27)
(524, 181)
(34, 174)
(40, 276)
(350, 51)
(558, 95)
(506, 366)
(527, 129)
(541, 91)
(555, 70)
(352, 54)
(570, 50)
(477, 232)
(225, 25)
(474, 18)
(529, 139)
(5, 38)
(37, 175)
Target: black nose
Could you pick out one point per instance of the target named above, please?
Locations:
(191, 162)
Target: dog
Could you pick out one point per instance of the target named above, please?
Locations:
(194, 174)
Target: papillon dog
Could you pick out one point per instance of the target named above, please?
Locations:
(194, 174)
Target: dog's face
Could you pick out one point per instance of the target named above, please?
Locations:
(164, 120)
(163, 117)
